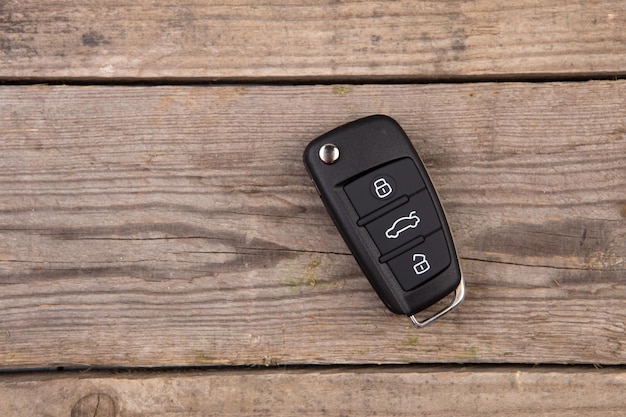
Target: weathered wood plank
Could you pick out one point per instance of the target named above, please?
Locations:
(306, 40)
(334, 392)
(152, 226)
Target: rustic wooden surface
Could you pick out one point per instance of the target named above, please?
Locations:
(199, 39)
(163, 224)
(364, 392)
(150, 226)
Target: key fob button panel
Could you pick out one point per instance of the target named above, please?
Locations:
(422, 262)
(375, 189)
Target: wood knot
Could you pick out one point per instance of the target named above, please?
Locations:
(95, 405)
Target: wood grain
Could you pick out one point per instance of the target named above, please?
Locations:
(357, 392)
(166, 226)
(252, 40)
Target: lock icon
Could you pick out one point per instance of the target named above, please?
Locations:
(422, 264)
(382, 188)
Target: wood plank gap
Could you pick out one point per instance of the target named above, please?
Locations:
(304, 81)
(62, 371)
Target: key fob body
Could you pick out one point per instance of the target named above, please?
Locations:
(376, 189)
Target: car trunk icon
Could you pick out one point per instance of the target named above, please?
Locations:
(402, 224)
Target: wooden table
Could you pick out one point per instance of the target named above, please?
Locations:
(163, 252)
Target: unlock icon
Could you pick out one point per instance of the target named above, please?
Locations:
(422, 264)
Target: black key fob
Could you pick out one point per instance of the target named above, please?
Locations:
(378, 193)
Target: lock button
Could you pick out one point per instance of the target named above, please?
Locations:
(383, 185)
(421, 263)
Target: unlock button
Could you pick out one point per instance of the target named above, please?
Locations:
(422, 266)
(421, 263)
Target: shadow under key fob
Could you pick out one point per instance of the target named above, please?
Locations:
(380, 197)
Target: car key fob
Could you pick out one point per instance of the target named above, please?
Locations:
(380, 197)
